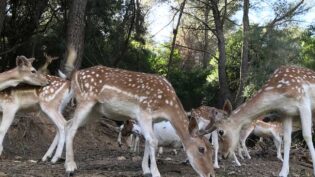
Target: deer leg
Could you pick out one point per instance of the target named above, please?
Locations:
(215, 142)
(236, 160)
(7, 119)
(80, 116)
(239, 149)
(145, 123)
(137, 144)
(287, 130)
(60, 122)
(306, 120)
(277, 141)
(51, 148)
(243, 141)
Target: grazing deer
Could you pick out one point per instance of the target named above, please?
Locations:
(262, 129)
(24, 72)
(206, 116)
(50, 99)
(133, 133)
(121, 94)
(164, 131)
(289, 91)
(49, 59)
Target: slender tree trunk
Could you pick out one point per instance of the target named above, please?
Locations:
(224, 88)
(206, 55)
(174, 37)
(130, 29)
(75, 33)
(245, 54)
(3, 4)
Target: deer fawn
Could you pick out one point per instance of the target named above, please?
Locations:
(44, 68)
(206, 116)
(120, 94)
(24, 72)
(289, 91)
(50, 99)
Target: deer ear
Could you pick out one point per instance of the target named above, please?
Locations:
(227, 106)
(31, 60)
(21, 61)
(193, 127)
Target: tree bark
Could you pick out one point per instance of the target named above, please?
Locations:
(224, 88)
(75, 33)
(174, 38)
(3, 4)
(245, 54)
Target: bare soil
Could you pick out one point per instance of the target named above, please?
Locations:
(98, 155)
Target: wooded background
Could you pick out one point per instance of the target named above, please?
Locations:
(209, 56)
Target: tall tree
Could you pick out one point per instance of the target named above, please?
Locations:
(75, 33)
(3, 5)
(175, 31)
(245, 54)
(219, 33)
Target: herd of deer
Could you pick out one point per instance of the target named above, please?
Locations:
(146, 98)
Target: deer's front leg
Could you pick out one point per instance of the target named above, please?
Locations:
(215, 142)
(287, 130)
(145, 123)
(51, 148)
(7, 119)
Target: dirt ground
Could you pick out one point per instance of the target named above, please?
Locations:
(97, 155)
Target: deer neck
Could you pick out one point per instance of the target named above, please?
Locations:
(9, 78)
(180, 122)
(253, 108)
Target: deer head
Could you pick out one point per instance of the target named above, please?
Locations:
(26, 73)
(200, 156)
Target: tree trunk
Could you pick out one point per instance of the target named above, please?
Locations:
(75, 33)
(174, 38)
(224, 88)
(206, 55)
(245, 54)
(3, 4)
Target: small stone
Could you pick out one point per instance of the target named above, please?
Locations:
(168, 159)
(231, 173)
(2, 174)
(32, 161)
(18, 157)
(136, 158)
(121, 158)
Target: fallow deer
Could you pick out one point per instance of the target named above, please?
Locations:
(164, 131)
(24, 72)
(121, 94)
(206, 116)
(262, 129)
(129, 130)
(289, 91)
(50, 99)
(44, 68)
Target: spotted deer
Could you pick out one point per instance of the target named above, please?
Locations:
(120, 94)
(50, 99)
(206, 116)
(262, 129)
(163, 130)
(44, 68)
(289, 91)
(24, 72)
(128, 129)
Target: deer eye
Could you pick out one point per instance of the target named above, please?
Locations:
(221, 132)
(33, 71)
(201, 150)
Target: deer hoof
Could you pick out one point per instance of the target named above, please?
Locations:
(147, 175)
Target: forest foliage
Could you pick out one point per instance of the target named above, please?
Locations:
(116, 35)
